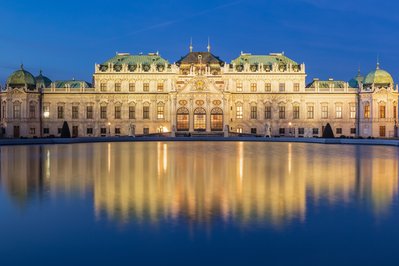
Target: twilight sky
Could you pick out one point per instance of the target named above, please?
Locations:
(66, 38)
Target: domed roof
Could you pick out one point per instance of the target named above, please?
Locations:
(21, 78)
(379, 76)
(354, 82)
(43, 81)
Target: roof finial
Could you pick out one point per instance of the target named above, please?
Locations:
(378, 61)
(22, 66)
(358, 71)
(209, 46)
(191, 45)
(40, 72)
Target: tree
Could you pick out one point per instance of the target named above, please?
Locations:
(327, 132)
(65, 133)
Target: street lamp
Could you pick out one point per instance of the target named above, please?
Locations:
(289, 129)
(109, 128)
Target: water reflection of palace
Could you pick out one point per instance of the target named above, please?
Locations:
(203, 181)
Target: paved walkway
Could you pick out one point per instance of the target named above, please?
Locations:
(386, 142)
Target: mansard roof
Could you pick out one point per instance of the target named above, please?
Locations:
(195, 57)
(126, 58)
(326, 84)
(273, 58)
(74, 84)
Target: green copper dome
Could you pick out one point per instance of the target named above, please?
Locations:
(43, 81)
(21, 78)
(379, 76)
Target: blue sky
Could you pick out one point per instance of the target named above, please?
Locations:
(66, 38)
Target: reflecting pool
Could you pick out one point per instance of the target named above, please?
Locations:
(199, 203)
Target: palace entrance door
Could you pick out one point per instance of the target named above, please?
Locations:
(199, 119)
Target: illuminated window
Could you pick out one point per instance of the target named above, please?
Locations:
(281, 112)
(132, 86)
(338, 112)
(367, 110)
(118, 112)
(310, 112)
(89, 112)
(182, 119)
(60, 112)
(295, 112)
(117, 86)
(216, 119)
(132, 112)
(160, 112)
(268, 87)
(324, 112)
(103, 112)
(75, 112)
(253, 87)
(382, 131)
(296, 86)
(395, 111)
(146, 86)
(160, 87)
(268, 112)
(46, 111)
(146, 112)
(239, 86)
(239, 112)
(382, 111)
(352, 111)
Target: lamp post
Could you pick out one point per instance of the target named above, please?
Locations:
(109, 128)
(289, 129)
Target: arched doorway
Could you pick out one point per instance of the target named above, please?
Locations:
(199, 119)
(182, 119)
(217, 119)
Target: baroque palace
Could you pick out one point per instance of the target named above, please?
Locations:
(139, 94)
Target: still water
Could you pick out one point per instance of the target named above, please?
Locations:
(199, 203)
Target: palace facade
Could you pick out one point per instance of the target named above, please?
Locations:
(139, 94)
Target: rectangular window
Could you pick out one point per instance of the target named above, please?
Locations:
(338, 112)
(103, 131)
(146, 131)
(367, 111)
(395, 112)
(103, 87)
(338, 130)
(281, 112)
(382, 111)
(103, 112)
(353, 130)
(32, 131)
(324, 112)
(253, 87)
(281, 131)
(253, 130)
(254, 112)
(89, 112)
(60, 112)
(239, 112)
(295, 112)
(32, 111)
(132, 86)
(3, 111)
(239, 86)
(146, 86)
(46, 130)
(301, 131)
(268, 112)
(89, 131)
(146, 112)
(75, 112)
(16, 111)
(132, 112)
(160, 87)
(117, 131)
(315, 131)
(117, 86)
(46, 111)
(118, 112)
(160, 112)
(268, 87)
(352, 111)
(281, 87)
(310, 112)
(296, 86)
(59, 130)
(382, 131)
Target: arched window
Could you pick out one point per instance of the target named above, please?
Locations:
(32, 110)
(366, 113)
(216, 119)
(16, 112)
(182, 119)
(199, 119)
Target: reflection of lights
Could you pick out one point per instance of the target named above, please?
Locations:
(165, 157)
(109, 157)
(48, 164)
(289, 157)
(241, 160)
